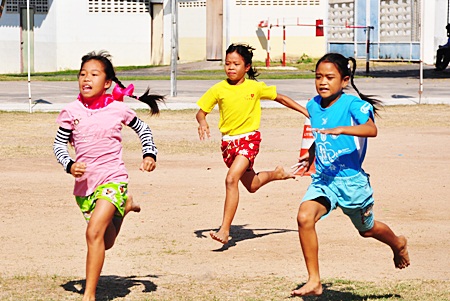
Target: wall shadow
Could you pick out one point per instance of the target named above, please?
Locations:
(410, 71)
(111, 287)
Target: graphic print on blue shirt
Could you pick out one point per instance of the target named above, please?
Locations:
(339, 155)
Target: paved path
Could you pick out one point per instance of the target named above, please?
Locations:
(389, 87)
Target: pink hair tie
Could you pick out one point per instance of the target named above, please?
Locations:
(118, 92)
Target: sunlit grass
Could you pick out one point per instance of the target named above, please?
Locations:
(300, 68)
(185, 287)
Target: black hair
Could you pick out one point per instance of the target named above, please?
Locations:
(105, 58)
(344, 68)
(246, 51)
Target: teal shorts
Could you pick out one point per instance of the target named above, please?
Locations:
(115, 193)
(353, 195)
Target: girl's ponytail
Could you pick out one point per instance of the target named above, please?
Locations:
(376, 103)
(150, 99)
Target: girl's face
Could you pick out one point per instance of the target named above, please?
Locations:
(329, 82)
(92, 80)
(235, 68)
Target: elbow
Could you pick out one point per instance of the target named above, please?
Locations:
(201, 113)
(200, 116)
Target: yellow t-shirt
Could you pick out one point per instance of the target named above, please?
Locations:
(239, 105)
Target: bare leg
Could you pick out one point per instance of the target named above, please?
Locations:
(96, 232)
(383, 233)
(131, 205)
(309, 213)
(253, 181)
(234, 174)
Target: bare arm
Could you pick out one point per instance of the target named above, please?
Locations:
(368, 129)
(306, 161)
(291, 104)
(203, 127)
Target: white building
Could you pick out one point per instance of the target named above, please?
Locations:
(395, 28)
(139, 32)
(64, 30)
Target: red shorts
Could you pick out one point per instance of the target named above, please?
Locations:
(245, 145)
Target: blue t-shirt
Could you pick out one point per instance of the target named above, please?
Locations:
(340, 155)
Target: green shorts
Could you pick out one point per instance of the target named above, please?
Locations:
(115, 193)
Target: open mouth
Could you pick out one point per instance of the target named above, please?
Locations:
(87, 88)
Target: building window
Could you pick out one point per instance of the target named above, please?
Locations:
(119, 6)
(399, 20)
(277, 2)
(192, 3)
(340, 14)
(40, 6)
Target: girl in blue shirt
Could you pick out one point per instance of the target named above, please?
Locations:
(341, 124)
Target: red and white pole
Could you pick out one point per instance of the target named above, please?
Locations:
(283, 63)
(368, 28)
(268, 45)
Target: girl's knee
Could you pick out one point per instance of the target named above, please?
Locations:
(93, 234)
(305, 218)
(252, 189)
(374, 229)
(109, 243)
(231, 180)
(366, 234)
(363, 234)
(310, 212)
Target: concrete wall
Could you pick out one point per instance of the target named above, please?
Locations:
(299, 39)
(192, 32)
(10, 43)
(69, 31)
(126, 36)
(243, 28)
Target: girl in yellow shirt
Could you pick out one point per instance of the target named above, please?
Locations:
(240, 115)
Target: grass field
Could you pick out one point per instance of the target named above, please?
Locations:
(135, 288)
(299, 69)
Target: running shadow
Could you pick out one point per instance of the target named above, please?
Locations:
(240, 233)
(330, 294)
(112, 286)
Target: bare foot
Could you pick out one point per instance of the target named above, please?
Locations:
(401, 256)
(88, 298)
(132, 206)
(309, 289)
(219, 236)
(281, 174)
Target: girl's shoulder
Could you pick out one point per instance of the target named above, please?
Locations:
(350, 97)
(257, 86)
(314, 101)
(75, 105)
(355, 101)
(223, 84)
